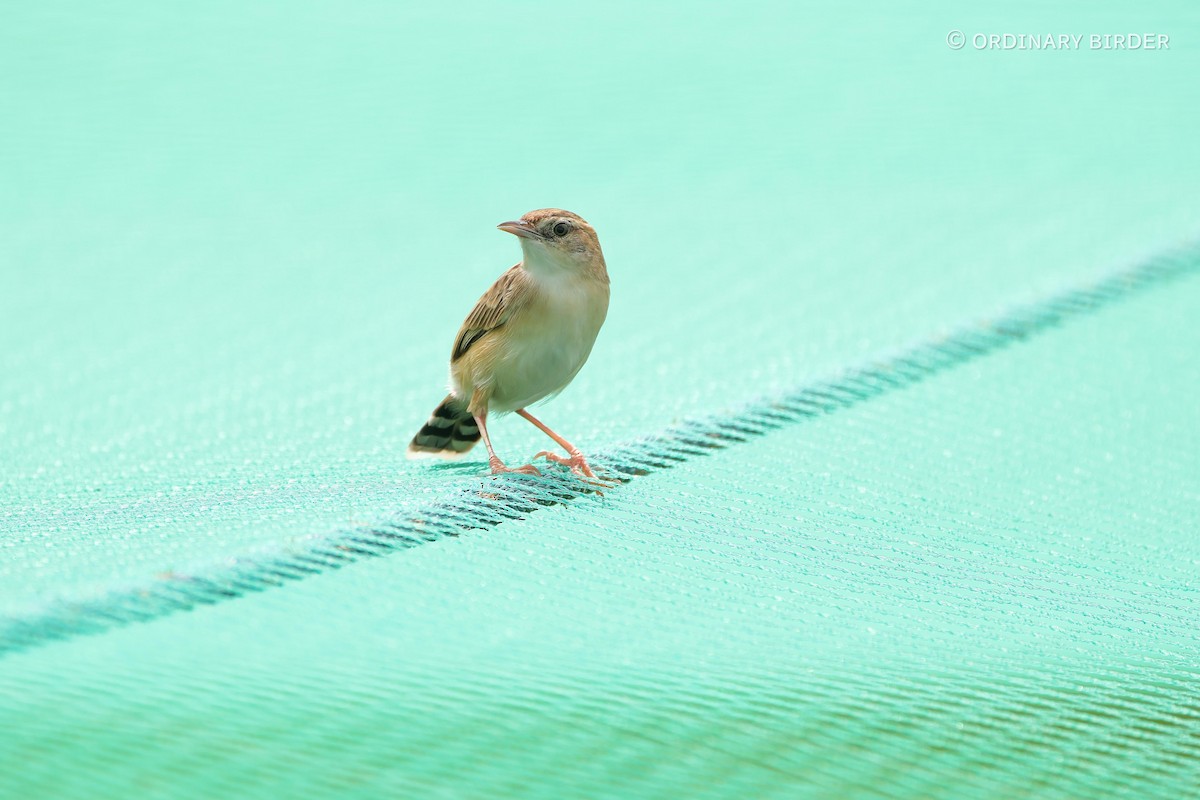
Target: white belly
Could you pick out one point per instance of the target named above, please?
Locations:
(546, 350)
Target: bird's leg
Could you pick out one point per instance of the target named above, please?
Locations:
(494, 460)
(576, 462)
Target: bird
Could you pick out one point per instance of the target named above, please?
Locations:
(525, 340)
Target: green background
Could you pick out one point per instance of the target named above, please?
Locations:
(236, 241)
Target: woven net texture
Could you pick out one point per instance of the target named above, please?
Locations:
(897, 391)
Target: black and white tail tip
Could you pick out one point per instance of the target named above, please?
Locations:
(450, 432)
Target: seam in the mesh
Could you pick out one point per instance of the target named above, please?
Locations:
(513, 497)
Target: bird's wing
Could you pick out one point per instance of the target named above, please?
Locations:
(494, 309)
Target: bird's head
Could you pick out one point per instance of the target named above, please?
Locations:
(555, 241)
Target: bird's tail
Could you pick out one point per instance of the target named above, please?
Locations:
(450, 432)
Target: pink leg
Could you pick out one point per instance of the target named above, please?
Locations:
(576, 462)
(494, 460)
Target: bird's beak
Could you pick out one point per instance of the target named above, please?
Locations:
(519, 227)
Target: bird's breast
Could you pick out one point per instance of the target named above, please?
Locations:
(549, 343)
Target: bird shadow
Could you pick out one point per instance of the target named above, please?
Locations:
(459, 468)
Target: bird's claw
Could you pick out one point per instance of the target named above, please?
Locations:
(499, 468)
(577, 464)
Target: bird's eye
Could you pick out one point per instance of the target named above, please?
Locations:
(561, 228)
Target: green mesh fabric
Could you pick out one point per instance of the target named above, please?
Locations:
(899, 380)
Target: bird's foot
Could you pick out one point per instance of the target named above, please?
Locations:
(577, 464)
(498, 468)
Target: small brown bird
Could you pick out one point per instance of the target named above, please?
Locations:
(525, 340)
